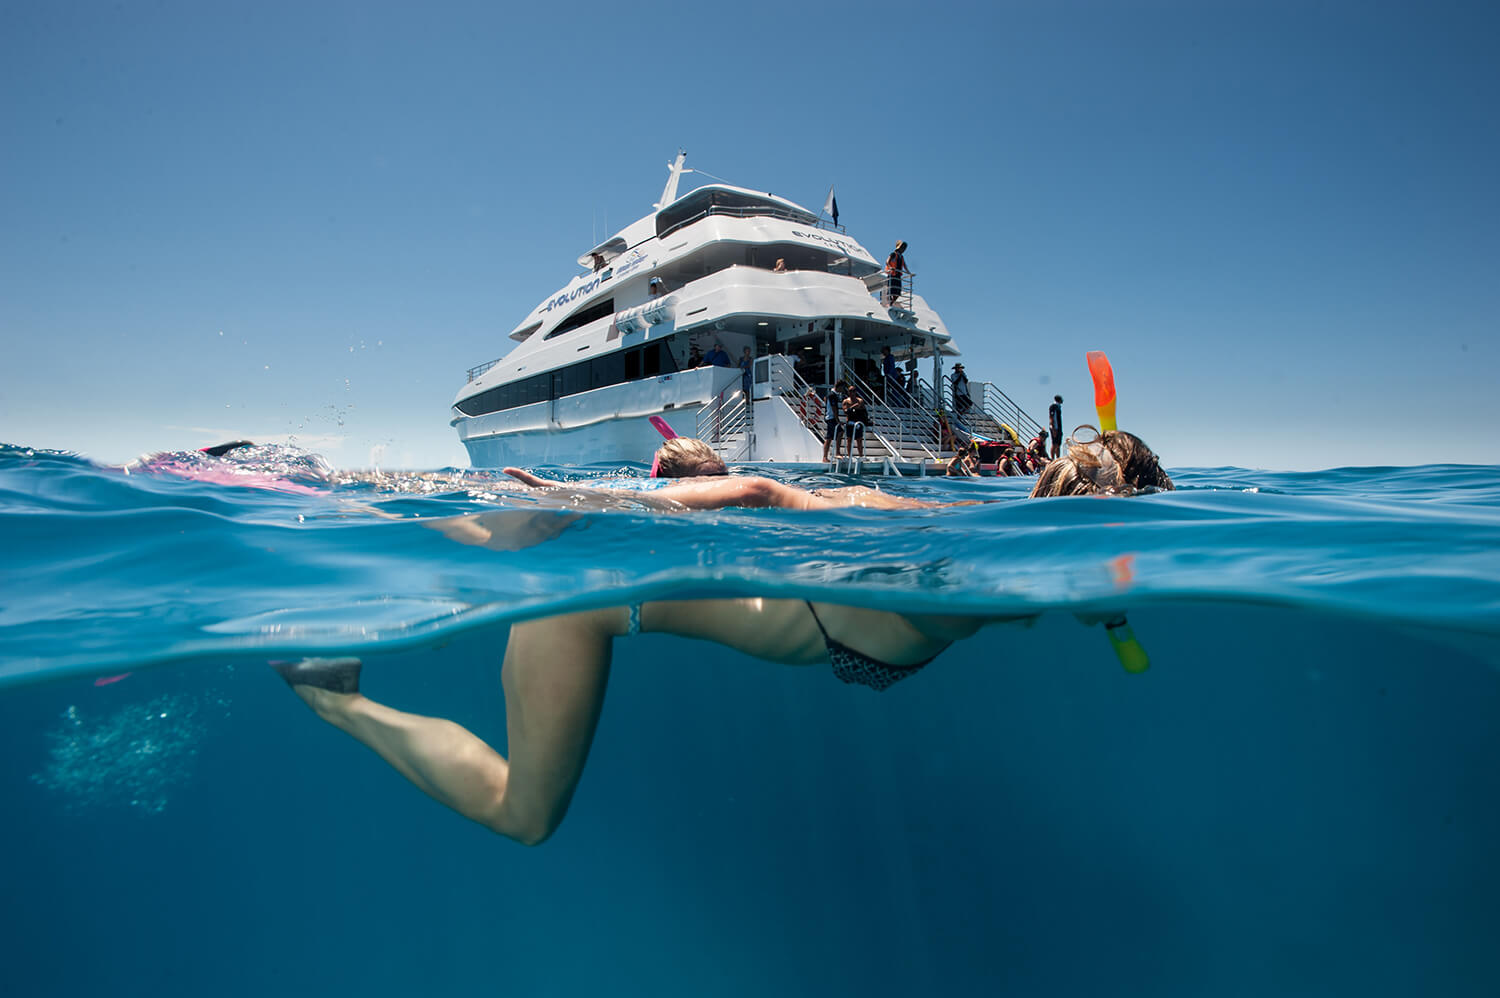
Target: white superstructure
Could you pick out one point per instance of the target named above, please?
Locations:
(722, 267)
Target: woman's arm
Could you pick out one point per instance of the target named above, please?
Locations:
(705, 493)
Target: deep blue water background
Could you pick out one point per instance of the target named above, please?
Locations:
(1300, 796)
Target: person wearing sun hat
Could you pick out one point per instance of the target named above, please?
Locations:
(962, 401)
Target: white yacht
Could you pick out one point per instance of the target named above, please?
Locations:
(720, 271)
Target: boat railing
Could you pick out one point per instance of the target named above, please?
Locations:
(906, 436)
(475, 372)
(809, 402)
(1002, 409)
(780, 375)
(886, 291)
(725, 423)
(761, 211)
(924, 397)
(991, 412)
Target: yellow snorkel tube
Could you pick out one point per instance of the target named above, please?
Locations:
(1121, 638)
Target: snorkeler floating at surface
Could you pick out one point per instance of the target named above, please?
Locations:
(556, 669)
(707, 484)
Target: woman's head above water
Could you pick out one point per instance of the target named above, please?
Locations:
(1110, 463)
(687, 457)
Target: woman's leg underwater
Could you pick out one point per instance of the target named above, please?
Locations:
(555, 674)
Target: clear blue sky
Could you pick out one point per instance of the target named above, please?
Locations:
(1281, 220)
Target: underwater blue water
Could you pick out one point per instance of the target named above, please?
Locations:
(1299, 796)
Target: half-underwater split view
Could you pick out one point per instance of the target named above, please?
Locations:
(1029, 527)
(843, 749)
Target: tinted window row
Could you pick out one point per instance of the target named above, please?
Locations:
(647, 361)
(583, 317)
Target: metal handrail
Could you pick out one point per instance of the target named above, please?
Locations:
(879, 285)
(720, 420)
(804, 388)
(1005, 410)
(921, 418)
(873, 400)
(475, 372)
(993, 404)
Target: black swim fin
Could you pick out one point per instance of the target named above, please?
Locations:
(339, 675)
(219, 450)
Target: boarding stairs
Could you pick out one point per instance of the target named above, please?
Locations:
(991, 413)
(727, 424)
(898, 436)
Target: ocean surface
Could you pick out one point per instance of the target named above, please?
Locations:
(1301, 796)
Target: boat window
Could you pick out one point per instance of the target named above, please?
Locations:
(647, 361)
(718, 201)
(607, 370)
(583, 317)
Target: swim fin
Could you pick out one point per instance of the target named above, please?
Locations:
(338, 675)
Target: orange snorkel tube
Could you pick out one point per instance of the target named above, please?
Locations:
(1104, 389)
(1122, 639)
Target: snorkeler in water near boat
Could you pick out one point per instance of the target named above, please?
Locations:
(556, 669)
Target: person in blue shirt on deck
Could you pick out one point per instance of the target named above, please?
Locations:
(717, 357)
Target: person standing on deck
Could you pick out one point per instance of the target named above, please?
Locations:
(859, 416)
(747, 372)
(962, 401)
(832, 408)
(1054, 424)
(891, 376)
(895, 266)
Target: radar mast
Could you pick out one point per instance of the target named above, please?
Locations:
(675, 170)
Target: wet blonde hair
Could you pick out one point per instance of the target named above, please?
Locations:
(1113, 463)
(687, 457)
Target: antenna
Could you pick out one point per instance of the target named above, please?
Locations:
(675, 170)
